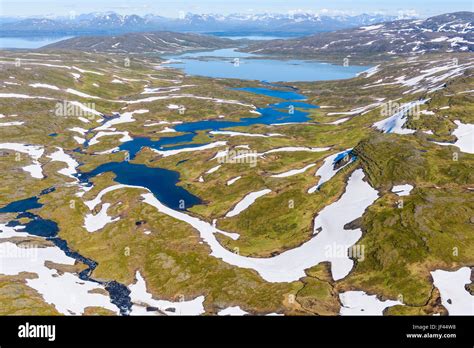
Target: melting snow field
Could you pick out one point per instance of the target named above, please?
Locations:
(330, 244)
(125, 137)
(72, 164)
(44, 85)
(395, 123)
(237, 311)
(359, 303)
(293, 172)
(327, 171)
(246, 202)
(97, 200)
(93, 223)
(167, 153)
(402, 190)
(11, 124)
(465, 137)
(213, 169)
(454, 296)
(68, 293)
(141, 299)
(234, 134)
(232, 181)
(126, 117)
(35, 152)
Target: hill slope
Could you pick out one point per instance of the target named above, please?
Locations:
(157, 42)
(445, 33)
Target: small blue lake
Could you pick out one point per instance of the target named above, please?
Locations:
(291, 110)
(161, 182)
(21, 205)
(228, 63)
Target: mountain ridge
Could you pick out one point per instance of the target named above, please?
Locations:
(113, 23)
(452, 32)
(151, 42)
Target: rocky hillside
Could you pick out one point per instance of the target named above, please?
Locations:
(445, 33)
(157, 42)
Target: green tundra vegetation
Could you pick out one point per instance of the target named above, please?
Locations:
(431, 230)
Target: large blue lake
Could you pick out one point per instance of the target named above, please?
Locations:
(229, 63)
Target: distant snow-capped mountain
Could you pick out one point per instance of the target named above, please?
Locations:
(113, 23)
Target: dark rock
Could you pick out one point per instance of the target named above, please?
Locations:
(353, 225)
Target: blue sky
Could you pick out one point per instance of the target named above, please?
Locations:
(422, 8)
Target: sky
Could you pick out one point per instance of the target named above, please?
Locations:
(175, 8)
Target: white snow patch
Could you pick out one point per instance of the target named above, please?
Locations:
(246, 202)
(395, 123)
(79, 130)
(167, 130)
(81, 94)
(454, 296)
(86, 109)
(291, 265)
(342, 120)
(237, 311)
(69, 294)
(465, 137)
(293, 172)
(44, 85)
(125, 137)
(327, 171)
(79, 140)
(122, 118)
(232, 181)
(141, 299)
(22, 96)
(93, 223)
(371, 27)
(96, 201)
(234, 134)
(213, 169)
(72, 164)
(9, 124)
(35, 152)
(167, 153)
(359, 303)
(402, 190)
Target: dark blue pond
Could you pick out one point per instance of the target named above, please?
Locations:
(21, 205)
(167, 143)
(38, 226)
(25, 204)
(161, 182)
